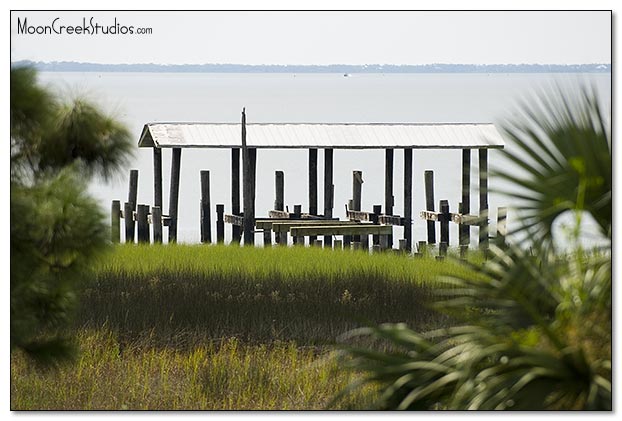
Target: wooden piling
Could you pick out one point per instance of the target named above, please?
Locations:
(220, 223)
(465, 230)
(408, 191)
(247, 185)
(142, 211)
(338, 245)
(133, 190)
(328, 190)
(206, 216)
(442, 249)
(279, 201)
(115, 221)
(318, 243)
(402, 245)
(483, 198)
(157, 177)
(389, 200)
(422, 247)
(429, 204)
(235, 194)
(444, 220)
(357, 190)
(297, 214)
(376, 248)
(174, 196)
(374, 219)
(312, 186)
(156, 223)
(128, 216)
(502, 215)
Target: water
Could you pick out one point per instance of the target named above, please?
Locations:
(138, 98)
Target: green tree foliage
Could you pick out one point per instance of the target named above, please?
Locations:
(56, 227)
(532, 328)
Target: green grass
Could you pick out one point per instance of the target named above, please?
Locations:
(213, 327)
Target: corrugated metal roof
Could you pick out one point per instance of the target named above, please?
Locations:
(321, 135)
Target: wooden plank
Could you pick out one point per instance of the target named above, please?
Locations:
(390, 220)
(278, 214)
(157, 177)
(174, 196)
(483, 198)
(360, 229)
(143, 226)
(328, 190)
(234, 219)
(220, 223)
(464, 230)
(128, 216)
(156, 223)
(268, 223)
(115, 221)
(355, 215)
(285, 226)
(389, 200)
(408, 191)
(466, 219)
(429, 216)
(429, 205)
(236, 232)
(206, 214)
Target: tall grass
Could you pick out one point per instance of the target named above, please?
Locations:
(308, 295)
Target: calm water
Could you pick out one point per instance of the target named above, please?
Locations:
(138, 98)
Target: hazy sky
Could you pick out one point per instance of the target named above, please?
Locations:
(324, 37)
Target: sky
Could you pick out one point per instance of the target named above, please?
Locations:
(472, 37)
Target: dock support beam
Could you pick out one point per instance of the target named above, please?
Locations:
(279, 202)
(429, 204)
(249, 156)
(483, 198)
(388, 189)
(408, 194)
(206, 214)
(357, 189)
(328, 191)
(157, 177)
(174, 197)
(465, 230)
(115, 222)
(312, 187)
(235, 193)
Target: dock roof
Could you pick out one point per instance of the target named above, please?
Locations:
(323, 135)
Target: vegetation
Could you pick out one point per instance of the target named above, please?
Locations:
(56, 228)
(533, 328)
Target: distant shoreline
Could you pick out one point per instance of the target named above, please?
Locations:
(344, 69)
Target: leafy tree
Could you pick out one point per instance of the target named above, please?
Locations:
(56, 227)
(533, 328)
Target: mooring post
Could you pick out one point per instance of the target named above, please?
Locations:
(142, 212)
(157, 177)
(465, 230)
(235, 194)
(206, 213)
(156, 222)
(247, 184)
(279, 201)
(220, 223)
(408, 191)
(429, 204)
(389, 200)
(174, 196)
(312, 187)
(328, 190)
(115, 221)
(483, 198)
(444, 220)
(128, 216)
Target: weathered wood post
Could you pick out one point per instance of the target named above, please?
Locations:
(312, 187)
(128, 216)
(464, 246)
(156, 222)
(389, 200)
(328, 190)
(157, 177)
(374, 219)
(235, 194)
(429, 204)
(408, 191)
(297, 214)
(174, 196)
(465, 230)
(220, 223)
(115, 221)
(338, 245)
(357, 190)
(444, 220)
(279, 202)
(248, 187)
(133, 190)
(206, 214)
(502, 215)
(483, 198)
(142, 211)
